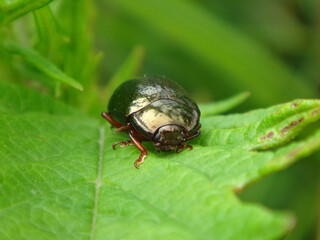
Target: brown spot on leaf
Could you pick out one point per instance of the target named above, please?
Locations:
(292, 224)
(295, 104)
(269, 135)
(293, 153)
(317, 111)
(37, 136)
(291, 125)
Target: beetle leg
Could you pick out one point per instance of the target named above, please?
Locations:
(122, 144)
(141, 148)
(189, 146)
(196, 134)
(183, 146)
(157, 146)
(113, 122)
(122, 128)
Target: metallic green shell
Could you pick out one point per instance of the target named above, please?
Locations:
(135, 95)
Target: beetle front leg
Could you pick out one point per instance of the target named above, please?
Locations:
(183, 146)
(157, 146)
(141, 148)
(196, 134)
(122, 144)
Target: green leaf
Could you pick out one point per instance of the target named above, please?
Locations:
(18, 100)
(261, 129)
(65, 36)
(50, 38)
(222, 106)
(12, 9)
(61, 179)
(76, 20)
(42, 64)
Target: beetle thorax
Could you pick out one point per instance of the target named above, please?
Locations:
(169, 137)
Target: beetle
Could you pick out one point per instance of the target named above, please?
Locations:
(153, 109)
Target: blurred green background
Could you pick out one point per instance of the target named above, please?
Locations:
(214, 49)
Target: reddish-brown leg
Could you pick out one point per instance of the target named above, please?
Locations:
(108, 117)
(183, 146)
(122, 144)
(157, 146)
(141, 148)
(196, 134)
(120, 129)
(133, 141)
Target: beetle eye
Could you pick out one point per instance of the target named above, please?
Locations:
(156, 137)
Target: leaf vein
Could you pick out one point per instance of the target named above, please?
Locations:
(98, 182)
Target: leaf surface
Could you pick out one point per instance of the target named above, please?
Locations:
(61, 179)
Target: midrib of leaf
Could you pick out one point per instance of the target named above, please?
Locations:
(98, 181)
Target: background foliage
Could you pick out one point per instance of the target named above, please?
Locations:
(215, 49)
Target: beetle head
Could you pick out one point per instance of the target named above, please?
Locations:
(169, 137)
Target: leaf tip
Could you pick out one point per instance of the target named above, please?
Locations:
(77, 85)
